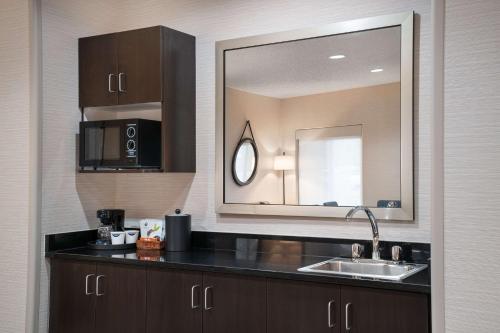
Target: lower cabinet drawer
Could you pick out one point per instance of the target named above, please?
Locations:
(382, 311)
(195, 302)
(301, 307)
(101, 298)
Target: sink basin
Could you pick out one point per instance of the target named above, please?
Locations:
(378, 269)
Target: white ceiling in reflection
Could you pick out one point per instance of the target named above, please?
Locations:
(303, 67)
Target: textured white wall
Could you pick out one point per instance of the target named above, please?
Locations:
(472, 166)
(14, 160)
(210, 21)
(70, 200)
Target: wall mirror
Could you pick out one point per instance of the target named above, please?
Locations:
(332, 113)
(245, 158)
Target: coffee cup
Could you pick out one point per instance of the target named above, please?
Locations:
(117, 237)
(131, 236)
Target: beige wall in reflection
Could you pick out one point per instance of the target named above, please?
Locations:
(275, 121)
(264, 115)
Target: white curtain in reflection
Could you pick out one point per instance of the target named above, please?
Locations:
(330, 166)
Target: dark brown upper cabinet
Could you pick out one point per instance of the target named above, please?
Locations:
(139, 64)
(155, 64)
(122, 68)
(98, 67)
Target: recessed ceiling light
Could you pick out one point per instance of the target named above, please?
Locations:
(377, 70)
(337, 56)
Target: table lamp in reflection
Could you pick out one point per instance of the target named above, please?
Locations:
(283, 163)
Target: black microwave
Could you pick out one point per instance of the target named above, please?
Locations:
(120, 144)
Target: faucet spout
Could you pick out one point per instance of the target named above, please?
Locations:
(374, 225)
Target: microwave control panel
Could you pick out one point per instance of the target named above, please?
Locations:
(131, 145)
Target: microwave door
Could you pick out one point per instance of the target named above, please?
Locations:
(102, 145)
(93, 145)
(111, 145)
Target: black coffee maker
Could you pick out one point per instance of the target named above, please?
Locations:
(113, 217)
(111, 220)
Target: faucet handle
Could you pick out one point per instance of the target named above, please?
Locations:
(397, 252)
(357, 250)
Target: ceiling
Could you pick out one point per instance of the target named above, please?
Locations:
(303, 67)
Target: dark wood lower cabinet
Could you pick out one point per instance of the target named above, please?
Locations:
(174, 301)
(233, 304)
(192, 302)
(107, 298)
(301, 307)
(72, 304)
(86, 297)
(381, 311)
(120, 299)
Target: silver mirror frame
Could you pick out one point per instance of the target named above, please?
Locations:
(406, 212)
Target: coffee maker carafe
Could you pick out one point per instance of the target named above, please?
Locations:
(111, 220)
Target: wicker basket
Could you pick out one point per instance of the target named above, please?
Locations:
(150, 244)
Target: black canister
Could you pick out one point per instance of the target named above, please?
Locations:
(178, 231)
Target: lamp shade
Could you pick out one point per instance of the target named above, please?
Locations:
(283, 162)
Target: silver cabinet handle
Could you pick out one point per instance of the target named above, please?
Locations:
(97, 285)
(347, 317)
(110, 89)
(193, 288)
(330, 324)
(206, 298)
(87, 293)
(120, 86)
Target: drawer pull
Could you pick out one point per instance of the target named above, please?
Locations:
(110, 76)
(120, 84)
(97, 285)
(330, 323)
(347, 317)
(206, 298)
(87, 292)
(193, 288)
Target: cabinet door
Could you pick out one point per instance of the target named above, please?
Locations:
(301, 307)
(120, 299)
(139, 65)
(380, 311)
(233, 304)
(72, 300)
(98, 63)
(174, 301)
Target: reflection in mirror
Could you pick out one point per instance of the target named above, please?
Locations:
(245, 162)
(330, 166)
(332, 105)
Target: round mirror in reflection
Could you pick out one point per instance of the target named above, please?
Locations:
(245, 161)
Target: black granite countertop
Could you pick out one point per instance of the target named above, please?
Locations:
(271, 265)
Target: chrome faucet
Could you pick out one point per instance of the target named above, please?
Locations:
(373, 222)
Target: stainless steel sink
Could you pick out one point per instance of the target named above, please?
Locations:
(378, 269)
